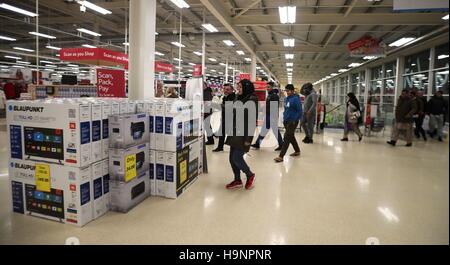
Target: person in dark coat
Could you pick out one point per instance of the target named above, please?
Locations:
(207, 99)
(271, 119)
(421, 102)
(406, 108)
(229, 96)
(437, 107)
(245, 116)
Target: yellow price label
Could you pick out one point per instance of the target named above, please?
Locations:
(130, 167)
(183, 172)
(42, 175)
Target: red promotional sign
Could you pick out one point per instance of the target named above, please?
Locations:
(161, 67)
(243, 76)
(197, 70)
(95, 56)
(111, 83)
(366, 46)
(260, 85)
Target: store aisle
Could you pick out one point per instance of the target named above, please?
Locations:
(336, 193)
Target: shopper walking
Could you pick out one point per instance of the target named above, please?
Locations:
(310, 108)
(421, 102)
(352, 117)
(437, 108)
(291, 117)
(406, 108)
(228, 96)
(271, 118)
(245, 115)
(207, 98)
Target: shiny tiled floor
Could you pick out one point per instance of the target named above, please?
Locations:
(336, 193)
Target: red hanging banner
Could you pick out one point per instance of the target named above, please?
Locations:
(94, 56)
(111, 83)
(243, 76)
(197, 70)
(161, 67)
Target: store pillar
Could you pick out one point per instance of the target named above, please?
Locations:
(141, 78)
(253, 68)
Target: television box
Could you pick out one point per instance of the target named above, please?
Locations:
(181, 169)
(115, 107)
(151, 123)
(126, 164)
(106, 112)
(51, 131)
(152, 156)
(125, 196)
(131, 107)
(160, 187)
(128, 130)
(123, 107)
(106, 179)
(98, 190)
(180, 125)
(56, 192)
(96, 130)
(159, 116)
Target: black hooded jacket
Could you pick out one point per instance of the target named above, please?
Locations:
(272, 96)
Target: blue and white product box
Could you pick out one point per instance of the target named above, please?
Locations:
(131, 107)
(128, 129)
(99, 204)
(151, 123)
(181, 169)
(160, 188)
(106, 112)
(123, 107)
(106, 189)
(141, 106)
(118, 161)
(125, 196)
(115, 107)
(159, 110)
(68, 200)
(56, 131)
(180, 126)
(152, 172)
(97, 120)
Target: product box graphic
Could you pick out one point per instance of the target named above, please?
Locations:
(99, 203)
(125, 196)
(115, 107)
(151, 123)
(128, 130)
(126, 164)
(96, 130)
(106, 179)
(152, 156)
(51, 191)
(181, 169)
(180, 125)
(106, 112)
(51, 131)
(123, 107)
(160, 188)
(159, 111)
(131, 107)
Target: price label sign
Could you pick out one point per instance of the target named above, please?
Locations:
(42, 176)
(183, 172)
(130, 167)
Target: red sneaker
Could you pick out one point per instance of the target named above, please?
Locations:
(236, 184)
(249, 184)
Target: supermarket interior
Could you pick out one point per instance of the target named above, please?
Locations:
(170, 122)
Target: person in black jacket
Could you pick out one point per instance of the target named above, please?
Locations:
(245, 116)
(207, 99)
(437, 107)
(421, 103)
(229, 95)
(271, 120)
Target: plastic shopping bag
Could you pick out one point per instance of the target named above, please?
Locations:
(426, 123)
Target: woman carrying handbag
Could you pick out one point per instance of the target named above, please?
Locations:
(352, 117)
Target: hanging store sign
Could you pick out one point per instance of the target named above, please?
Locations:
(367, 46)
(161, 67)
(260, 85)
(420, 5)
(95, 56)
(197, 70)
(111, 83)
(243, 76)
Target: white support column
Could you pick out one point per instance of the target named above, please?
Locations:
(366, 91)
(253, 69)
(399, 78)
(226, 72)
(430, 73)
(141, 83)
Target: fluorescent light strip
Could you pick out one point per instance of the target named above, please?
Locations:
(443, 56)
(13, 57)
(354, 65)
(289, 42)
(198, 53)
(53, 47)
(240, 52)
(89, 32)
(289, 64)
(248, 59)
(228, 42)
(158, 53)
(18, 10)
(23, 49)
(212, 59)
(223, 64)
(369, 57)
(445, 17)
(20, 62)
(18, 66)
(289, 56)
(95, 7)
(210, 27)
(180, 3)
(401, 42)
(88, 46)
(126, 44)
(7, 38)
(176, 43)
(342, 70)
(287, 14)
(42, 35)
(178, 60)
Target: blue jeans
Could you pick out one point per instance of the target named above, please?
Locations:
(270, 124)
(238, 164)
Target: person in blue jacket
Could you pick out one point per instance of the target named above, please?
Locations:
(291, 117)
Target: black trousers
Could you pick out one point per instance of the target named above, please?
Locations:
(289, 138)
(418, 131)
